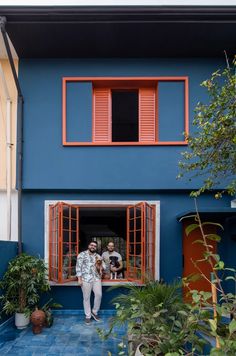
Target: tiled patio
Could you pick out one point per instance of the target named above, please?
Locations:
(68, 336)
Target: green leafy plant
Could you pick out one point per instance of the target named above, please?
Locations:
(22, 284)
(212, 148)
(157, 319)
(224, 333)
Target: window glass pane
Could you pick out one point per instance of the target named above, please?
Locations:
(65, 211)
(131, 249)
(73, 237)
(131, 213)
(138, 223)
(138, 249)
(138, 212)
(138, 236)
(131, 224)
(131, 237)
(73, 224)
(65, 235)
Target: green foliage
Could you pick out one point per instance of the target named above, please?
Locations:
(212, 148)
(22, 284)
(157, 319)
(162, 324)
(224, 333)
(47, 308)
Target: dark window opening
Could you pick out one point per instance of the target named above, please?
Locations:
(104, 225)
(125, 121)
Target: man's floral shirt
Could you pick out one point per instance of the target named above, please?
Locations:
(85, 266)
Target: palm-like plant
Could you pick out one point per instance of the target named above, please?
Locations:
(156, 318)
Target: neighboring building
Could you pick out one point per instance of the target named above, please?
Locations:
(108, 92)
(8, 192)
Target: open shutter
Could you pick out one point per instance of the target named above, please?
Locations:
(147, 114)
(135, 242)
(149, 230)
(101, 115)
(69, 241)
(63, 242)
(54, 230)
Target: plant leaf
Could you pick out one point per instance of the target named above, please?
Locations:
(212, 223)
(191, 228)
(232, 326)
(213, 237)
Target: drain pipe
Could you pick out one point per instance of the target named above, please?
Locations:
(8, 152)
(20, 101)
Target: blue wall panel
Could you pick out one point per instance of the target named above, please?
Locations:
(79, 112)
(171, 111)
(58, 167)
(71, 297)
(8, 250)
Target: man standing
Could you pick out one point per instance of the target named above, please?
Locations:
(108, 258)
(89, 278)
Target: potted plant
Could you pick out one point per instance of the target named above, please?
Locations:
(158, 321)
(22, 284)
(47, 309)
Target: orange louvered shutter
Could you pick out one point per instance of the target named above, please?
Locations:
(101, 115)
(147, 115)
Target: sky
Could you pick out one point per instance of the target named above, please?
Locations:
(117, 2)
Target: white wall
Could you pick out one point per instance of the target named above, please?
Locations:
(3, 216)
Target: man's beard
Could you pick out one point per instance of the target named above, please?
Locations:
(92, 251)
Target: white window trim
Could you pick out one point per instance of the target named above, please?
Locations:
(81, 203)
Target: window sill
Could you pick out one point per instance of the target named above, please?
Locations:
(160, 143)
(104, 283)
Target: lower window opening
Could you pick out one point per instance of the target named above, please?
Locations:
(131, 229)
(105, 225)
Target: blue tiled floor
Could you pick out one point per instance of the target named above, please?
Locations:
(68, 336)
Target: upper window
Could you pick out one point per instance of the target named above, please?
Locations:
(125, 111)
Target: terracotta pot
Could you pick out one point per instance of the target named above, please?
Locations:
(37, 319)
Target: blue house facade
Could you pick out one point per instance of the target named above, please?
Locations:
(86, 173)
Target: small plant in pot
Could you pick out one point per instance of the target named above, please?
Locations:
(47, 309)
(22, 285)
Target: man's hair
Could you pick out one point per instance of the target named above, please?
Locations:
(92, 241)
(110, 242)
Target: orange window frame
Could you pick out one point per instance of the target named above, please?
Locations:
(146, 256)
(147, 225)
(125, 83)
(57, 242)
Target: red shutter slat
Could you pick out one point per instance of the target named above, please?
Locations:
(101, 115)
(147, 115)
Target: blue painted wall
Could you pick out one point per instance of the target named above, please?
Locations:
(170, 232)
(8, 250)
(49, 165)
(170, 229)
